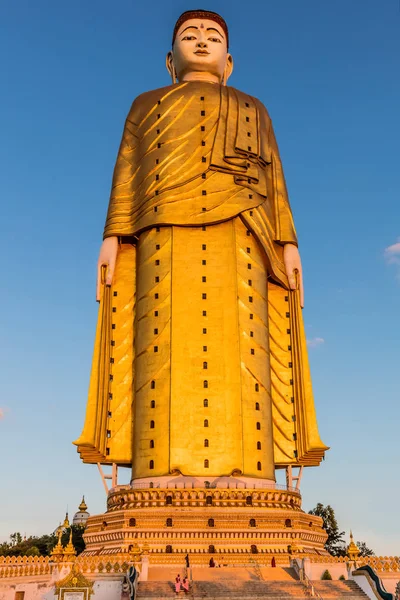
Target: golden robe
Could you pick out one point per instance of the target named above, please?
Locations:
(200, 365)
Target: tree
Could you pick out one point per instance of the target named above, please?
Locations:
(326, 576)
(43, 545)
(335, 544)
(16, 538)
(364, 550)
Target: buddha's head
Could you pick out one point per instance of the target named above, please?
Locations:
(200, 45)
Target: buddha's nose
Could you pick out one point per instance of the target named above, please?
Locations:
(202, 44)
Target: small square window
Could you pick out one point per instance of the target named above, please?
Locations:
(251, 212)
(201, 97)
(204, 313)
(202, 128)
(251, 333)
(204, 209)
(248, 265)
(158, 145)
(157, 262)
(204, 348)
(247, 105)
(113, 326)
(249, 148)
(156, 332)
(156, 296)
(156, 313)
(203, 159)
(203, 228)
(157, 161)
(251, 315)
(203, 192)
(203, 143)
(115, 294)
(114, 309)
(204, 279)
(248, 250)
(158, 131)
(157, 177)
(204, 176)
(204, 296)
(203, 113)
(248, 134)
(157, 279)
(158, 116)
(252, 351)
(155, 348)
(204, 247)
(251, 197)
(247, 119)
(204, 330)
(248, 232)
(158, 229)
(249, 281)
(155, 208)
(250, 298)
(203, 262)
(157, 246)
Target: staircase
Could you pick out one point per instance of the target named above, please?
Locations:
(251, 590)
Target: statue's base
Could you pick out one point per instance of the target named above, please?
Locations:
(232, 526)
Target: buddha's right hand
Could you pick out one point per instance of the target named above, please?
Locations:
(107, 258)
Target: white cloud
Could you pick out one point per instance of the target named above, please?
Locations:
(392, 255)
(315, 342)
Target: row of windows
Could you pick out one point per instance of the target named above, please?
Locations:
(211, 549)
(206, 461)
(205, 366)
(210, 522)
(206, 444)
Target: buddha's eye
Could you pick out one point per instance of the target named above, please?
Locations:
(214, 39)
(188, 37)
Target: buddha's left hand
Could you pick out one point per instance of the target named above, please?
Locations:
(294, 272)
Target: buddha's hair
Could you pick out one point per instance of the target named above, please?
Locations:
(201, 14)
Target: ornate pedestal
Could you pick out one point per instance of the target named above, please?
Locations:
(234, 526)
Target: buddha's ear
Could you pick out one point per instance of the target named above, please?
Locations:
(228, 68)
(169, 63)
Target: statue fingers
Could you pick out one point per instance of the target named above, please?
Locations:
(110, 270)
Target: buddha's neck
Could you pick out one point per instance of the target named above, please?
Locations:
(201, 76)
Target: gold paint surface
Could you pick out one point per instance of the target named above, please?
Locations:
(199, 166)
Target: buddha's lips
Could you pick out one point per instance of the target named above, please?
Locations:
(202, 52)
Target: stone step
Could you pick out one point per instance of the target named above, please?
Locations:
(252, 590)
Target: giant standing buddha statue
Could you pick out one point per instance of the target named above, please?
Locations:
(200, 380)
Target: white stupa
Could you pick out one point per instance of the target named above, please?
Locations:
(82, 515)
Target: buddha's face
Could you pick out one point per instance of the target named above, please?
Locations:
(200, 46)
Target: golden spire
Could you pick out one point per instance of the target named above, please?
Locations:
(83, 506)
(69, 550)
(58, 550)
(353, 550)
(66, 521)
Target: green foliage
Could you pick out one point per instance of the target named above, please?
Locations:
(342, 578)
(43, 545)
(364, 550)
(335, 544)
(326, 576)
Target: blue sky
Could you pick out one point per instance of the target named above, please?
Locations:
(328, 74)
